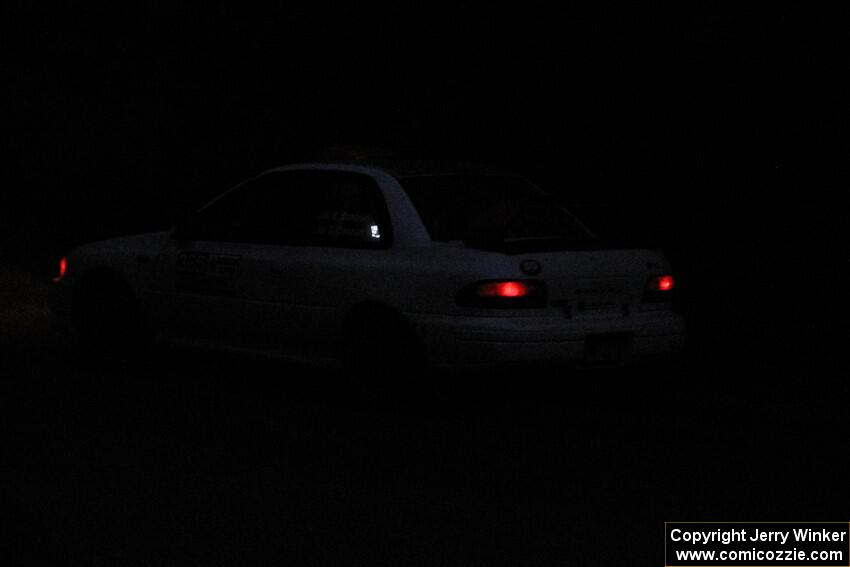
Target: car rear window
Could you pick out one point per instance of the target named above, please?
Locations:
(491, 211)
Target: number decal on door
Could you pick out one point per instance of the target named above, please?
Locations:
(209, 274)
(192, 263)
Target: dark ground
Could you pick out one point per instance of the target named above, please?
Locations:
(195, 458)
(719, 135)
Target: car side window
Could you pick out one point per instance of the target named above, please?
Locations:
(352, 213)
(313, 208)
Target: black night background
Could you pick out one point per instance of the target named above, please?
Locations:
(716, 132)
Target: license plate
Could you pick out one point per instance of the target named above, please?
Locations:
(607, 349)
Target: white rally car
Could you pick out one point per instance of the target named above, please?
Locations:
(446, 264)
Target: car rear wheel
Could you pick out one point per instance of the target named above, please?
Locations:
(382, 353)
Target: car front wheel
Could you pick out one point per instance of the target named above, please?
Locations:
(105, 323)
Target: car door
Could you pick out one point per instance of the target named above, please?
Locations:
(307, 233)
(194, 296)
(273, 264)
(276, 222)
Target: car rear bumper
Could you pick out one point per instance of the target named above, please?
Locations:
(476, 341)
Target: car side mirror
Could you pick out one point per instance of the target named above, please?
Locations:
(187, 226)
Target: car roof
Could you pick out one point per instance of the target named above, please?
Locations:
(417, 168)
(405, 168)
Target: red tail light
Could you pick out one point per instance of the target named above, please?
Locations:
(503, 294)
(63, 266)
(659, 288)
(503, 289)
(661, 283)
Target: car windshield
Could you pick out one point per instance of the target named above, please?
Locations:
(493, 212)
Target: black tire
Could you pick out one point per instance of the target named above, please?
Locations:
(382, 353)
(105, 323)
